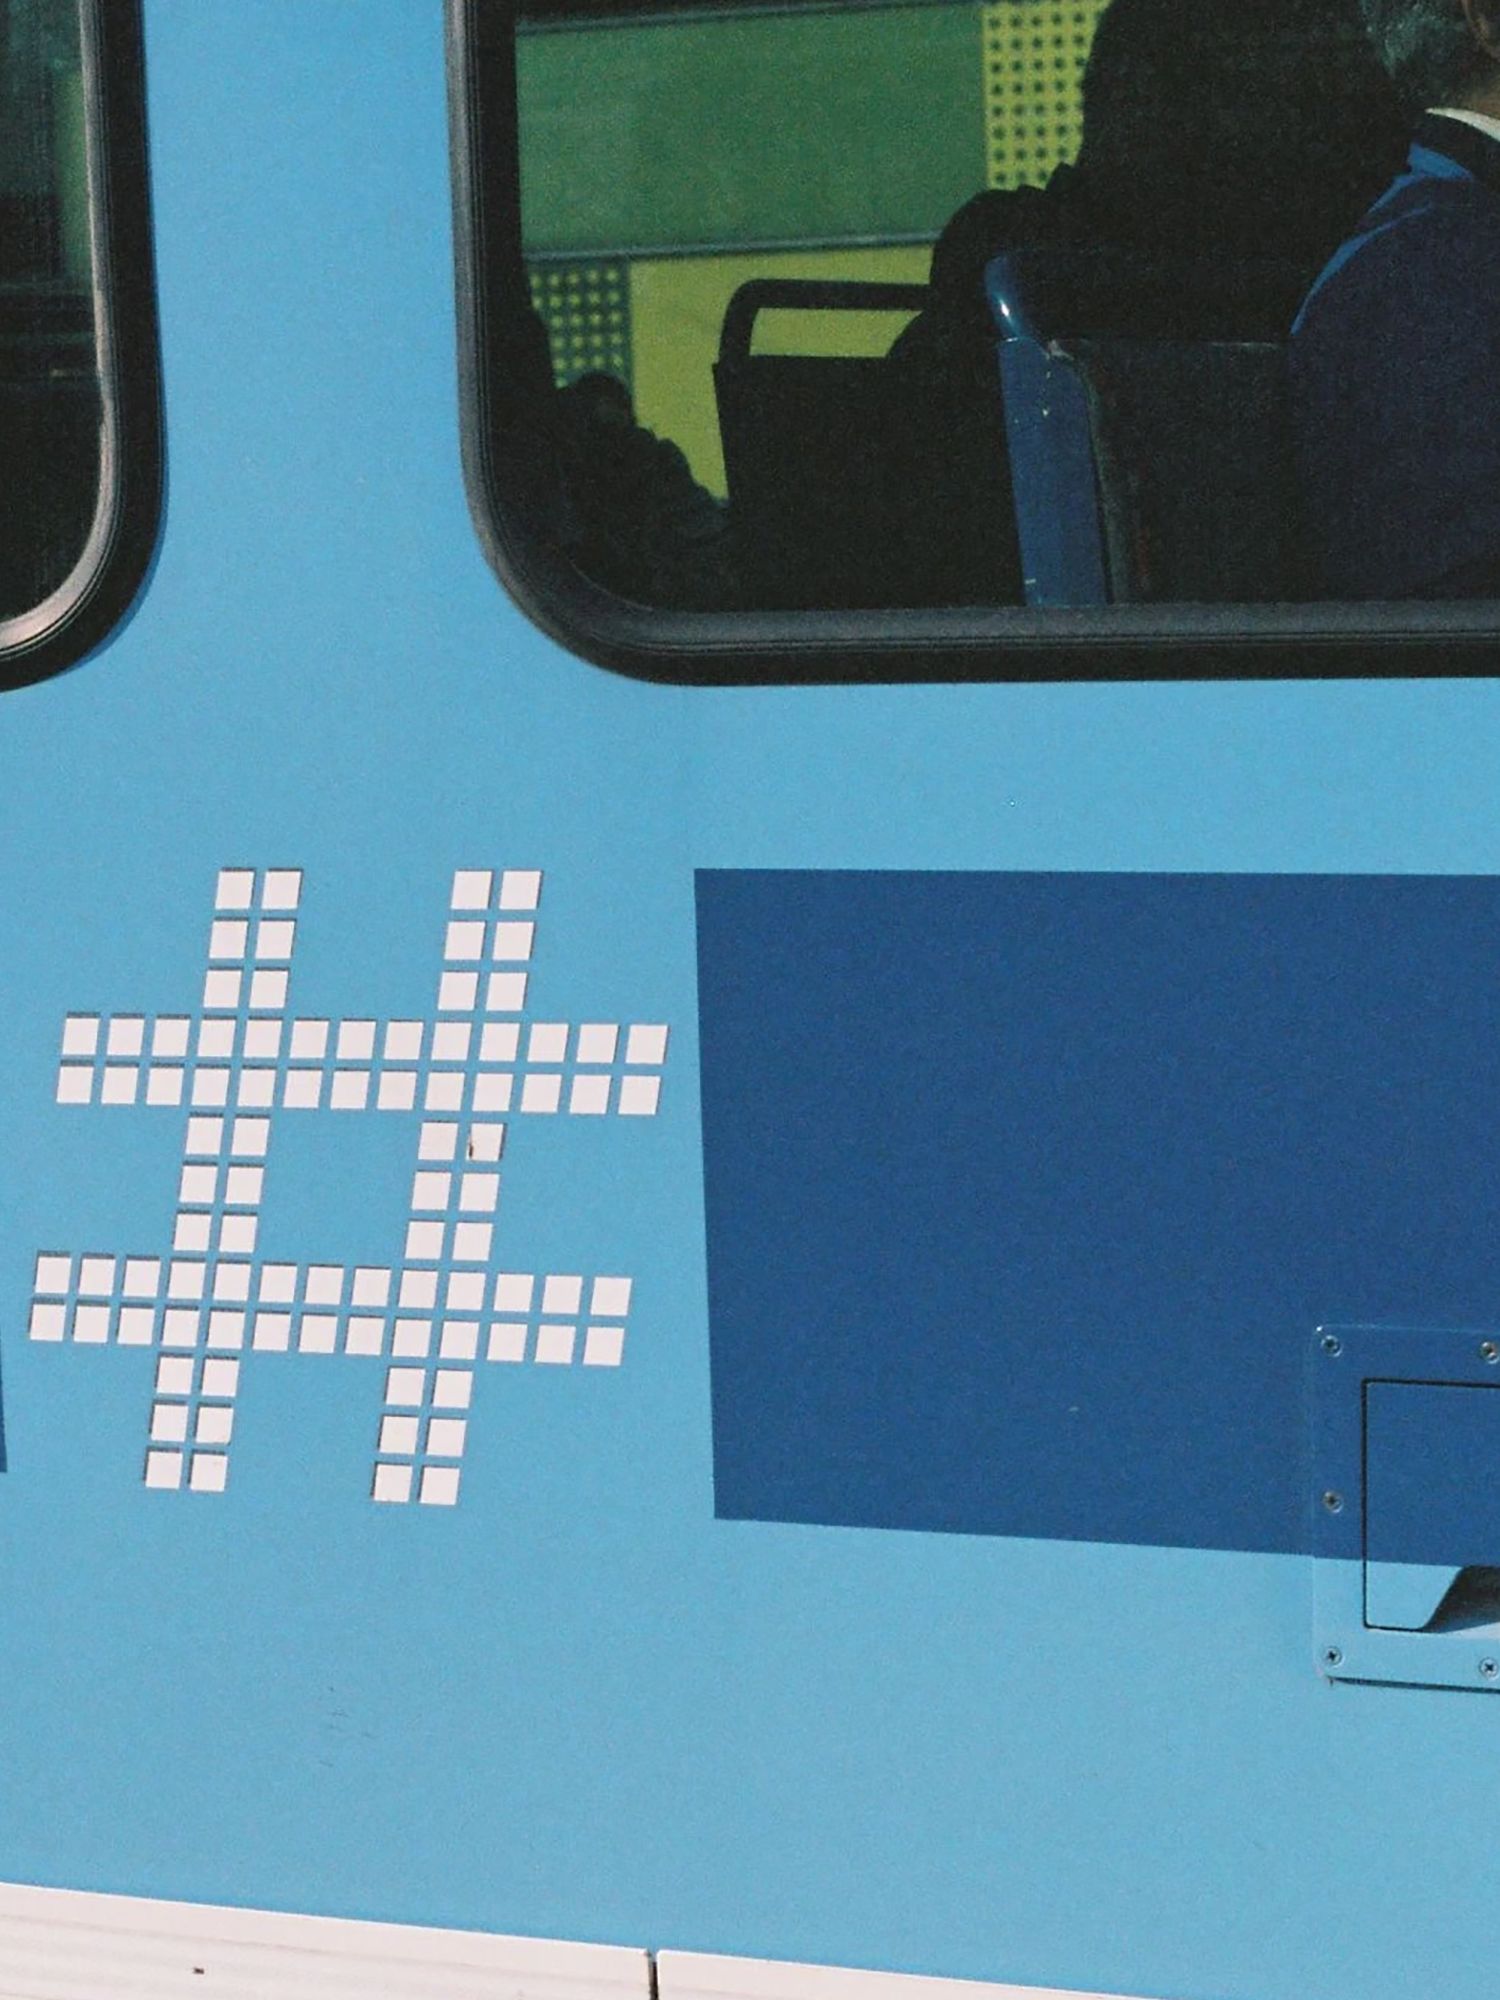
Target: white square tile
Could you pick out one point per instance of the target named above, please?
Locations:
(127, 1035)
(80, 1035)
(512, 943)
(392, 1484)
(372, 1285)
(356, 1041)
(48, 1320)
(237, 1234)
(120, 1083)
(554, 1344)
(439, 1486)
(403, 1041)
(452, 1388)
(589, 1095)
(513, 1291)
(91, 1324)
(424, 1242)
(232, 1282)
(520, 888)
(221, 1377)
(350, 1089)
(507, 1340)
(325, 1284)
(210, 1087)
(505, 992)
(398, 1434)
(418, 1290)
(302, 1089)
(541, 1091)
(174, 1375)
(216, 1038)
(465, 1293)
(273, 1332)
(492, 1090)
(460, 1340)
(562, 1296)
(638, 1096)
(610, 1298)
(430, 1191)
(471, 1242)
(397, 1090)
(137, 1326)
(263, 1038)
(278, 1284)
(274, 938)
(191, 1230)
(256, 1089)
(603, 1347)
(458, 992)
(236, 889)
(268, 990)
(169, 1423)
(405, 1387)
(479, 1193)
(208, 1472)
(53, 1274)
(445, 1090)
(547, 1042)
(169, 1037)
(226, 939)
(598, 1041)
(184, 1279)
(471, 889)
(411, 1337)
(242, 1185)
(225, 1328)
(317, 1333)
(499, 1041)
(437, 1142)
(646, 1043)
(249, 1138)
(96, 1277)
(180, 1326)
(283, 889)
(215, 1424)
(309, 1040)
(163, 1086)
(445, 1436)
(164, 1468)
(75, 1084)
(221, 990)
(464, 941)
(205, 1138)
(486, 1142)
(364, 1334)
(450, 1041)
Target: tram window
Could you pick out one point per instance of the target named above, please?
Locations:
(912, 338)
(79, 437)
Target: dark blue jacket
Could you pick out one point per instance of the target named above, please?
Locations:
(1395, 376)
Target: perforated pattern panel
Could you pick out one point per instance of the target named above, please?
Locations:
(586, 308)
(1034, 53)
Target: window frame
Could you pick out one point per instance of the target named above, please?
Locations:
(819, 647)
(97, 593)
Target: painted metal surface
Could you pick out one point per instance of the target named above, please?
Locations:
(579, 1705)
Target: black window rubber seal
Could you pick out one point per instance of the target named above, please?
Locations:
(741, 648)
(106, 580)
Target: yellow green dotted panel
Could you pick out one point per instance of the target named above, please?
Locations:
(586, 308)
(1034, 53)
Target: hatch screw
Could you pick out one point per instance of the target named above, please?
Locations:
(1333, 1656)
(1489, 1350)
(1332, 1344)
(1488, 1669)
(1334, 1502)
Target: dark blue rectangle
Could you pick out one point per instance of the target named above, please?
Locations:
(1432, 1474)
(1025, 1190)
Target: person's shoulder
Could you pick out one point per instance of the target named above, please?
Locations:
(1431, 239)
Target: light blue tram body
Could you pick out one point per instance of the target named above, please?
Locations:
(581, 1704)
